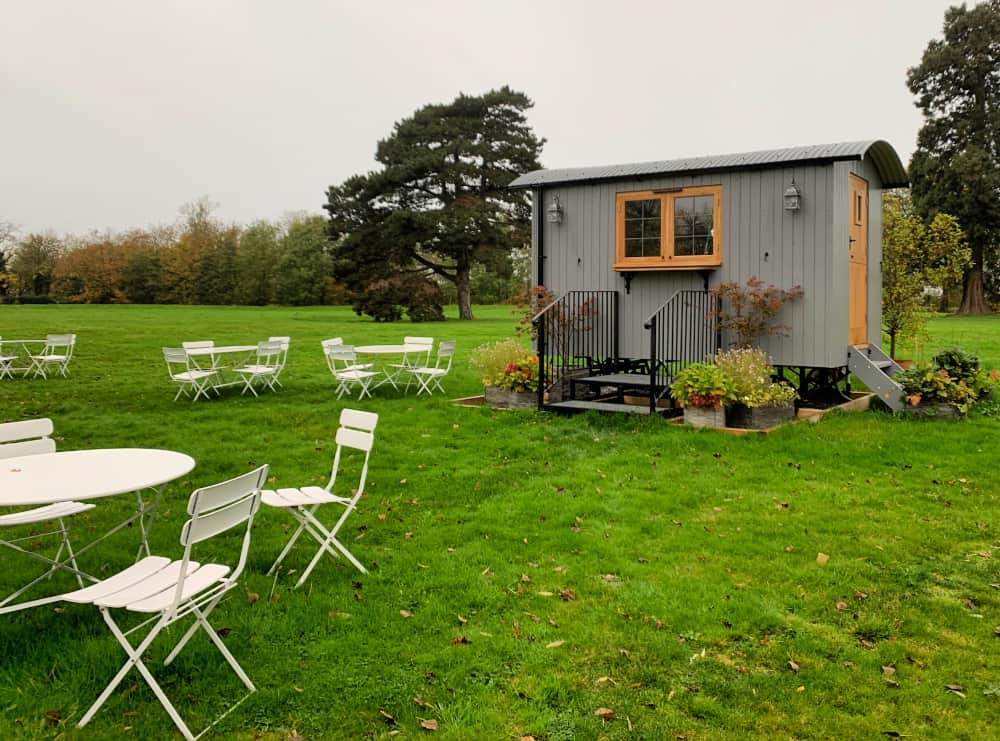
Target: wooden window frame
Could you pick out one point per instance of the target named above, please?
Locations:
(667, 260)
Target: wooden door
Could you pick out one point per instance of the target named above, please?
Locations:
(858, 270)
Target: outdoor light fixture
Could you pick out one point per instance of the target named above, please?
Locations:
(793, 197)
(555, 211)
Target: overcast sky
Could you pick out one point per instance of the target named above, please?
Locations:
(115, 113)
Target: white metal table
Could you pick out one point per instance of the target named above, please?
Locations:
(388, 375)
(80, 475)
(216, 356)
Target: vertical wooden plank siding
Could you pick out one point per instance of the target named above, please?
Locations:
(807, 248)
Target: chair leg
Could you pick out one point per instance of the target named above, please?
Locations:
(69, 550)
(288, 546)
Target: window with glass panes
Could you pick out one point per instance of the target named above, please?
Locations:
(670, 229)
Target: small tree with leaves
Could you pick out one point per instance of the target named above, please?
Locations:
(749, 311)
(915, 254)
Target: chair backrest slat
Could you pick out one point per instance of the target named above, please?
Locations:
(224, 493)
(356, 439)
(25, 430)
(28, 447)
(209, 524)
(418, 340)
(332, 342)
(197, 344)
(359, 420)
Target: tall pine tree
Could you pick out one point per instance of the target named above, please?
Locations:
(440, 203)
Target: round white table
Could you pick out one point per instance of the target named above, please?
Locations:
(391, 373)
(74, 475)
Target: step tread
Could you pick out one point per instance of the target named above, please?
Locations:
(600, 406)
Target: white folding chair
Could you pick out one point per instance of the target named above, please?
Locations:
(171, 590)
(338, 342)
(429, 377)
(356, 432)
(6, 363)
(342, 361)
(32, 437)
(186, 375)
(285, 342)
(57, 353)
(266, 369)
(213, 365)
(418, 354)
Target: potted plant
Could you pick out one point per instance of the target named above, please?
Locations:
(759, 402)
(509, 374)
(947, 387)
(703, 389)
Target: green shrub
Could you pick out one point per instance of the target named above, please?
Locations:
(703, 385)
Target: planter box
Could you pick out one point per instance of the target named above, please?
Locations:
(704, 417)
(759, 418)
(506, 399)
(941, 410)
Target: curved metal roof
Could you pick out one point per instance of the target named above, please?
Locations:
(882, 154)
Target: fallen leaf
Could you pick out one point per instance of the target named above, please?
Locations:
(402, 481)
(860, 596)
(460, 641)
(408, 536)
(956, 688)
(527, 738)
(789, 548)
(865, 643)
(969, 604)
(53, 716)
(406, 613)
(892, 683)
(462, 620)
(822, 558)
(888, 669)
(298, 689)
(382, 516)
(800, 689)
(429, 724)
(792, 665)
(602, 680)
(388, 718)
(525, 579)
(568, 595)
(841, 605)
(554, 644)
(252, 597)
(545, 594)
(487, 572)
(605, 713)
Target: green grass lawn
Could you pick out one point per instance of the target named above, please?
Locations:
(550, 566)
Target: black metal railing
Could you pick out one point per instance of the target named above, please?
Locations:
(682, 331)
(579, 330)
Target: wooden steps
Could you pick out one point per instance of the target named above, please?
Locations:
(575, 406)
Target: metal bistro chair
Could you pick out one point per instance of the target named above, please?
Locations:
(57, 353)
(32, 437)
(267, 367)
(285, 342)
(418, 356)
(6, 363)
(168, 591)
(338, 342)
(429, 377)
(342, 361)
(356, 432)
(186, 375)
(202, 345)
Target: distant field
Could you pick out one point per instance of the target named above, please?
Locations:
(551, 566)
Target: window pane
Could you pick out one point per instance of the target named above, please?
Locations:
(703, 210)
(651, 228)
(633, 228)
(651, 209)
(633, 248)
(633, 209)
(651, 247)
(683, 216)
(683, 246)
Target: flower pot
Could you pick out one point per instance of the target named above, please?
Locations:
(500, 398)
(762, 418)
(905, 364)
(704, 416)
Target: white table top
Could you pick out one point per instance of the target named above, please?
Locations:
(30, 480)
(220, 350)
(22, 342)
(390, 349)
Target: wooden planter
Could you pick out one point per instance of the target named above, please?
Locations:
(759, 418)
(704, 417)
(937, 410)
(499, 398)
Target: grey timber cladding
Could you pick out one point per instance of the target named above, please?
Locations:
(759, 238)
(881, 153)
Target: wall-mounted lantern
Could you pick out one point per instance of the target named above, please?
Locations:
(555, 211)
(793, 197)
